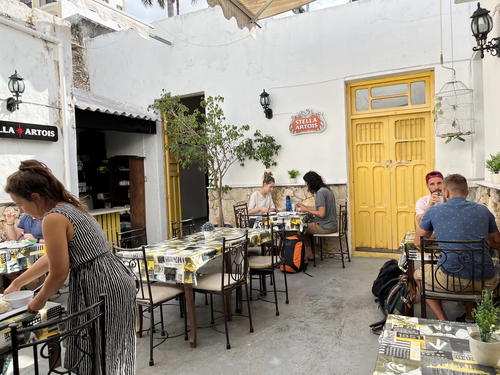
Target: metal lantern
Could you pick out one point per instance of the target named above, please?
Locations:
(453, 111)
(481, 25)
(265, 102)
(16, 87)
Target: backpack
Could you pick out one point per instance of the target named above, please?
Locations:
(294, 255)
(394, 295)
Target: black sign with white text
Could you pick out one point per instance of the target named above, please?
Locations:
(20, 130)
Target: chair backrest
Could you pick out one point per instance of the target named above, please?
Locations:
(241, 215)
(234, 260)
(135, 260)
(85, 330)
(183, 228)
(447, 279)
(342, 219)
(132, 238)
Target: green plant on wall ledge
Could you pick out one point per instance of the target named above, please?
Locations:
(293, 173)
(493, 163)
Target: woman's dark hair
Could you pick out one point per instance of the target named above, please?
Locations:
(314, 182)
(268, 178)
(35, 177)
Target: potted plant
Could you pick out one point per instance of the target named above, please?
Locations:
(208, 230)
(293, 173)
(493, 165)
(484, 344)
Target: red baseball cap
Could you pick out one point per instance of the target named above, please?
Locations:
(433, 174)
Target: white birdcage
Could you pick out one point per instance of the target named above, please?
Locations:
(454, 111)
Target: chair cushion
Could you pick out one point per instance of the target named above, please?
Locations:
(334, 234)
(213, 281)
(161, 293)
(260, 261)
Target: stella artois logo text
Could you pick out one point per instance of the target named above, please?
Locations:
(19, 130)
(307, 121)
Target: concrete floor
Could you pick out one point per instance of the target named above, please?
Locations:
(324, 330)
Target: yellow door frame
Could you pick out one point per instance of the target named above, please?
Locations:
(172, 183)
(353, 114)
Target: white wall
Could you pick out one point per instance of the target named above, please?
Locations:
(302, 61)
(491, 82)
(38, 62)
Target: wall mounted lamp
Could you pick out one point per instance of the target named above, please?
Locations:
(16, 87)
(481, 25)
(264, 102)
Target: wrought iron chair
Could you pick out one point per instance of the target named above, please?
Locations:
(132, 238)
(241, 215)
(84, 329)
(341, 234)
(265, 265)
(441, 281)
(149, 295)
(183, 228)
(233, 275)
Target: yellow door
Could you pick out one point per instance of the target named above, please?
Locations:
(391, 149)
(172, 176)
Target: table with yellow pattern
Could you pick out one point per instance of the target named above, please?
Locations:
(19, 255)
(178, 259)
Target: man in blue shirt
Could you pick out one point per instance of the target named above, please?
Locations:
(459, 220)
(27, 229)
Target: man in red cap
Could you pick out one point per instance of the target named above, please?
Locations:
(434, 181)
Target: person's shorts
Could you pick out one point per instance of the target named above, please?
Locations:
(444, 282)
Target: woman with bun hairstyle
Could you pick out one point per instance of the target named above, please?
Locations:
(76, 244)
(261, 201)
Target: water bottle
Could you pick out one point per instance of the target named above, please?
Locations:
(288, 204)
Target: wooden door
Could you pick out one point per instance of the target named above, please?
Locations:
(391, 139)
(173, 185)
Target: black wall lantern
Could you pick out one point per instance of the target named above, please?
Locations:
(481, 25)
(264, 102)
(16, 87)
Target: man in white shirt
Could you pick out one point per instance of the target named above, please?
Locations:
(434, 181)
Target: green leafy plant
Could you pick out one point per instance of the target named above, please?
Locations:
(205, 139)
(493, 163)
(293, 173)
(487, 316)
(459, 136)
(438, 108)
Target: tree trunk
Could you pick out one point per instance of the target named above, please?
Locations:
(170, 8)
(221, 213)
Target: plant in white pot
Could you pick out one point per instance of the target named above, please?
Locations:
(493, 165)
(484, 344)
(293, 173)
(208, 230)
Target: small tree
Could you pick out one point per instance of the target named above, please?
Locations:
(206, 140)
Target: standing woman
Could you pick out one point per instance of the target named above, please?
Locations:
(261, 201)
(77, 245)
(324, 211)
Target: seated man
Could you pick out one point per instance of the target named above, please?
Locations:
(458, 220)
(434, 182)
(27, 229)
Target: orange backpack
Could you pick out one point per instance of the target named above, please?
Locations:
(294, 254)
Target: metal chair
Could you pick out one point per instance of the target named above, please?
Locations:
(445, 282)
(233, 275)
(132, 238)
(265, 265)
(85, 330)
(149, 295)
(241, 215)
(341, 234)
(183, 228)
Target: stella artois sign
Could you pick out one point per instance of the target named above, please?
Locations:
(307, 121)
(23, 131)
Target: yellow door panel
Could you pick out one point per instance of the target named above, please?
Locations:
(173, 185)
(391, 139)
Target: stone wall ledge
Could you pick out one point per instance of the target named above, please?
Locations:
(258, 186)
(487, 184)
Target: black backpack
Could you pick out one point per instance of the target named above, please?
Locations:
(294, 254)
(393, 292)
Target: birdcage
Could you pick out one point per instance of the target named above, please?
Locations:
(454, 112)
